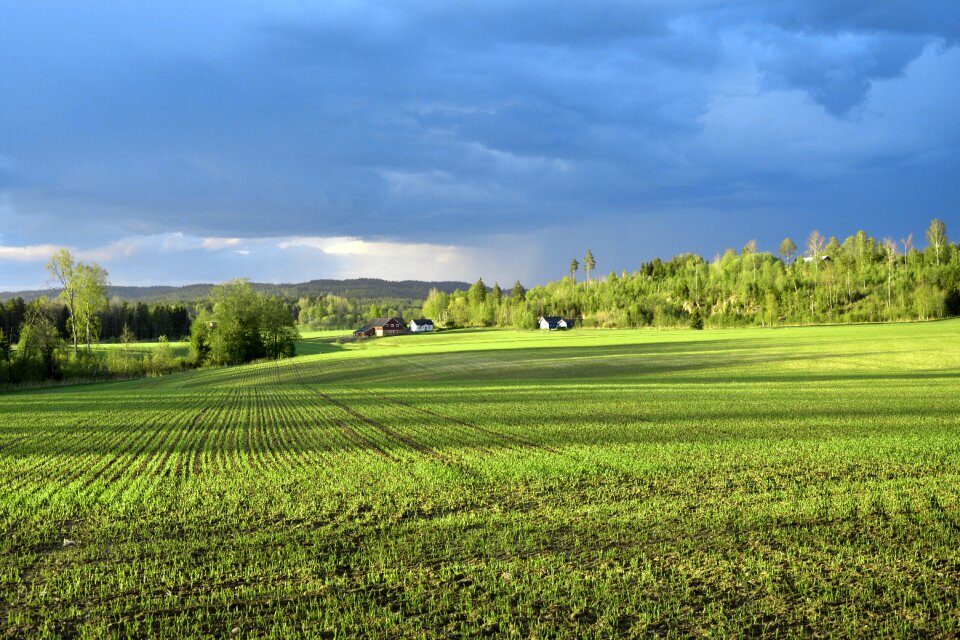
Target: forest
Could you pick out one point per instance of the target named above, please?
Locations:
(859, 279)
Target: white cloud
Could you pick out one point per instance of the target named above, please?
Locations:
(123, 248)
(31, 253)
(394, 260)
(216, 244)
(178, 258)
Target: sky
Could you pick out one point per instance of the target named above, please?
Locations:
(283, 141)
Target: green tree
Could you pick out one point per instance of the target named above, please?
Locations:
(127, 337)
(235, 330)
(436, 305)
(62, 267)
(574, 267)
(937, 237)
(200, 338)
(162, 359)
(787, 249)
(815, 245)
(589, 263)
(518, 293)
(83, 291)
(279, 332)
(696, 319)
(91, 297)
(890, 248)
(477, 294)
(38, 346)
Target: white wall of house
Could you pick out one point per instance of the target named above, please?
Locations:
(420, 328)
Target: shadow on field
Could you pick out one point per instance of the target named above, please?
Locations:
(715, 361)
(314, 346)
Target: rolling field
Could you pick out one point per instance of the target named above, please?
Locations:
(799, 481)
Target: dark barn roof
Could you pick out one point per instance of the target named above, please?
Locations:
(552, 319)
(379, 322)
(423, 321)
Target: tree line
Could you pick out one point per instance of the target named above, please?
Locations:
(53, 340)
(145, 321)
(859, 279)
(338, 312)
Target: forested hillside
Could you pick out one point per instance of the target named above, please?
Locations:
(355, 288)
(861, 279)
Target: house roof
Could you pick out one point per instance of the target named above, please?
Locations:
(422, 321)
(379, 322)
(364, 329)
(551, 319)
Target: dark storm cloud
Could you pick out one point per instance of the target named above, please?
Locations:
(445, 122)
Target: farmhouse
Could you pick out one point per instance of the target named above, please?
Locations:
(381, 327)
(421, 325)
(556, 322)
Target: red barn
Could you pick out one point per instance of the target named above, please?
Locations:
(381, 327)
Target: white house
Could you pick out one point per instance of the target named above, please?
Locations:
(556, 322)
(420, 326)
(549, 322)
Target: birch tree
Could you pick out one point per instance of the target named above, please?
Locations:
(63, 268)
(91, 297)
(890, 248)
(937, 237)
(815, 244)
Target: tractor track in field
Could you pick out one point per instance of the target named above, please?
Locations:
(352, 434)
(11, 442)
(503, 437)
(382, 428)
(385, 430)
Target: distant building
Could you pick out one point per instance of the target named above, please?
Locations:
(557, 322)
(421, 325)
(822, 259)
(381, 327)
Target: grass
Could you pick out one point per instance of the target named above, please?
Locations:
(798, 481)
(180, 349)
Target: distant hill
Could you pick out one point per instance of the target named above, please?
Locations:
(356, 288)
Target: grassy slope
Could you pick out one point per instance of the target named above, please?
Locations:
(594, 483)
(145, 348)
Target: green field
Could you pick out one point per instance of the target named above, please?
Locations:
(180, 349)
(499, 483)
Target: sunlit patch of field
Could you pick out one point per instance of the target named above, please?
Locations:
(797, 481)
(143, 348)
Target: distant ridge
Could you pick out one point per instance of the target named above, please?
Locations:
(355, 288)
